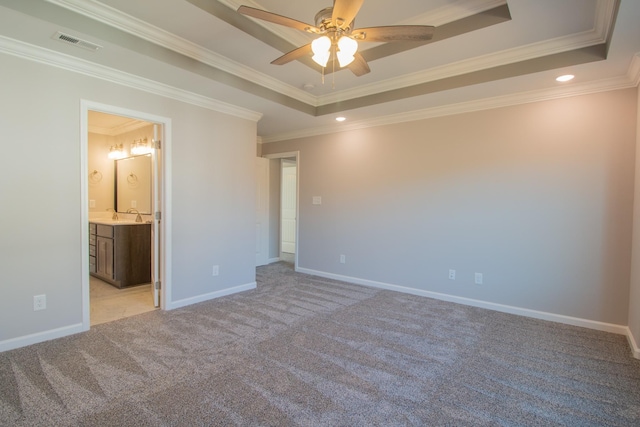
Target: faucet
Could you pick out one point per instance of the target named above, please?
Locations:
(115, 214)
(138, 217)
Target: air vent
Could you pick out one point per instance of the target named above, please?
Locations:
(66, 38)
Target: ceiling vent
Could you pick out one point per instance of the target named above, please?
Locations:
(66, 38)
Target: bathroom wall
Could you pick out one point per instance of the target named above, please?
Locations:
(101, 191)
(101, 176)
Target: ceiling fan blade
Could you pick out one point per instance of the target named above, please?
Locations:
(293, 55)
(359, 66)
(394, 33)
(277, 19)
(344, 11)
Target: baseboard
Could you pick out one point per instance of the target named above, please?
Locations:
(52, 334)
(212, 295)
(575, 321)
(635, 350)
(272, 260)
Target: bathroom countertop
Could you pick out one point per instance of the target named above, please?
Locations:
(107, 221)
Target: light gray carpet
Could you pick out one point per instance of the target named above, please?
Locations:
(302, 350)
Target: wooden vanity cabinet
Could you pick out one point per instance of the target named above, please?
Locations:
(122, 253)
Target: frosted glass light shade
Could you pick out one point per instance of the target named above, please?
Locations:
(321, 50)
(347, 48)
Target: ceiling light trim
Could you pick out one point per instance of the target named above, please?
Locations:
(71, 63)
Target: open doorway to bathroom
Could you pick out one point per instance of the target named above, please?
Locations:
(123, 198)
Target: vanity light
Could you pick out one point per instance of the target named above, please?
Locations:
(139, 147)
(565, 78)
(117, 152)
(341, 119)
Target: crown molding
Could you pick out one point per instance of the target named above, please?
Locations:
(296, 37)
(136, 27)
(130, 126)
(70, 63)
(634, 70)
(603, 21)
(630, 80)
(453, 12)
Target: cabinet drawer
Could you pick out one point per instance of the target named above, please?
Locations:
(92, 228)
(92, 250)
(104, 230)
(92, 239)
(92, 264)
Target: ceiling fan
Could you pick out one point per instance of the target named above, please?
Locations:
(338, 39)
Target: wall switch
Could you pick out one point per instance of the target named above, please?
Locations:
(216, 270)
(39, 302)
(134, 204)
(343, 259)
(452, 275)
(317, 200)
(92, 203)
(478, 278)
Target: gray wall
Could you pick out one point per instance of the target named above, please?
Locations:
(213, 191)
(634, 296)
(274, 208)
(537, 197)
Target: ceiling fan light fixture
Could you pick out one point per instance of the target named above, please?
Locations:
(321, 48)
(347, 48)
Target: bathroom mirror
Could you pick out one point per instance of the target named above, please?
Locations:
(133, 184)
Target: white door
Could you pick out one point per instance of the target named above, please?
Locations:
(288, 211)
(155, 228)
(262, 211)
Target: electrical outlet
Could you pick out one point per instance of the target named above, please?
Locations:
(478, 278)
(343, 259)
(39, 302)
(452, 275)
(216, 270)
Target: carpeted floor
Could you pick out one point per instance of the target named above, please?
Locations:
(307, 351)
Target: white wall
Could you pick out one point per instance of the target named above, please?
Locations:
(634, 295)
(40, 172)
(537, 197)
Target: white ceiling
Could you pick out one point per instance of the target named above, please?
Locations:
(442, 77)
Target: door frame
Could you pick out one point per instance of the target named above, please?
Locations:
(164, 208)
(288, 155)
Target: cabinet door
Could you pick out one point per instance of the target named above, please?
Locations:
(104, 258)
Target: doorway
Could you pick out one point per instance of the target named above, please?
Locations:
(288, 222)
(288, 209)
(124, 210)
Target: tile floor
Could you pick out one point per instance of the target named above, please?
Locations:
(109, 303)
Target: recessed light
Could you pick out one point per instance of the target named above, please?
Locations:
(565, 78)
(341, 119)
